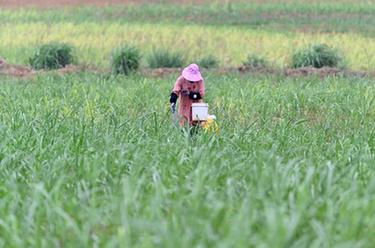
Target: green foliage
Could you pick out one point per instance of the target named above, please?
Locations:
(125, 59)
(255, 61)
(163, 58)
(53, 55)
(318, 56)
(273, 15)
(208, 62)
(98, 163)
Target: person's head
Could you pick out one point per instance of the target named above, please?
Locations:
(192, 73)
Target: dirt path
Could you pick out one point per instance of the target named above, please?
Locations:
(25, 72)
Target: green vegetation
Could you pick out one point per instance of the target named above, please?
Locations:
(255, 61)
(272, 29)
(164, 58)
(93, 160)
(88, 160)
(318, 56)
(329, 16)
(125, 59)
(95, 42)
(208, 62)
(53, 55)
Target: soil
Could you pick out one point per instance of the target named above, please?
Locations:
(304, 71)
(15, 70)
(325, 72)
(23, 71)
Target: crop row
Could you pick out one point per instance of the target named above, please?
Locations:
(229, 45)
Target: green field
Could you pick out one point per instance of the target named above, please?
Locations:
(93, 160)
(272, 30)
(89, 161)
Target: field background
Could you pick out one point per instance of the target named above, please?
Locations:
(93, 160)
(270, 29)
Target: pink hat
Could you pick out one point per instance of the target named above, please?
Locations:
(192, 73)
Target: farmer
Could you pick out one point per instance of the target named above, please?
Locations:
(189, 87)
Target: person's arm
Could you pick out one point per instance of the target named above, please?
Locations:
(173, 98)
(175, 92)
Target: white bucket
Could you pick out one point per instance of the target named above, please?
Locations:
(199, 111)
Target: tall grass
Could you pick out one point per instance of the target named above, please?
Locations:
(91, 161)
(53, 55)
(125, 59)
(95, 41)
(318, 56)
(164, 58)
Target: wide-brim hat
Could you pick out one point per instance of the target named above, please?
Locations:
(192, 73)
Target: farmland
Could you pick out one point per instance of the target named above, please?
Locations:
(91, 159)
(271, 30)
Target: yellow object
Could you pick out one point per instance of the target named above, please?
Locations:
(210, 125)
